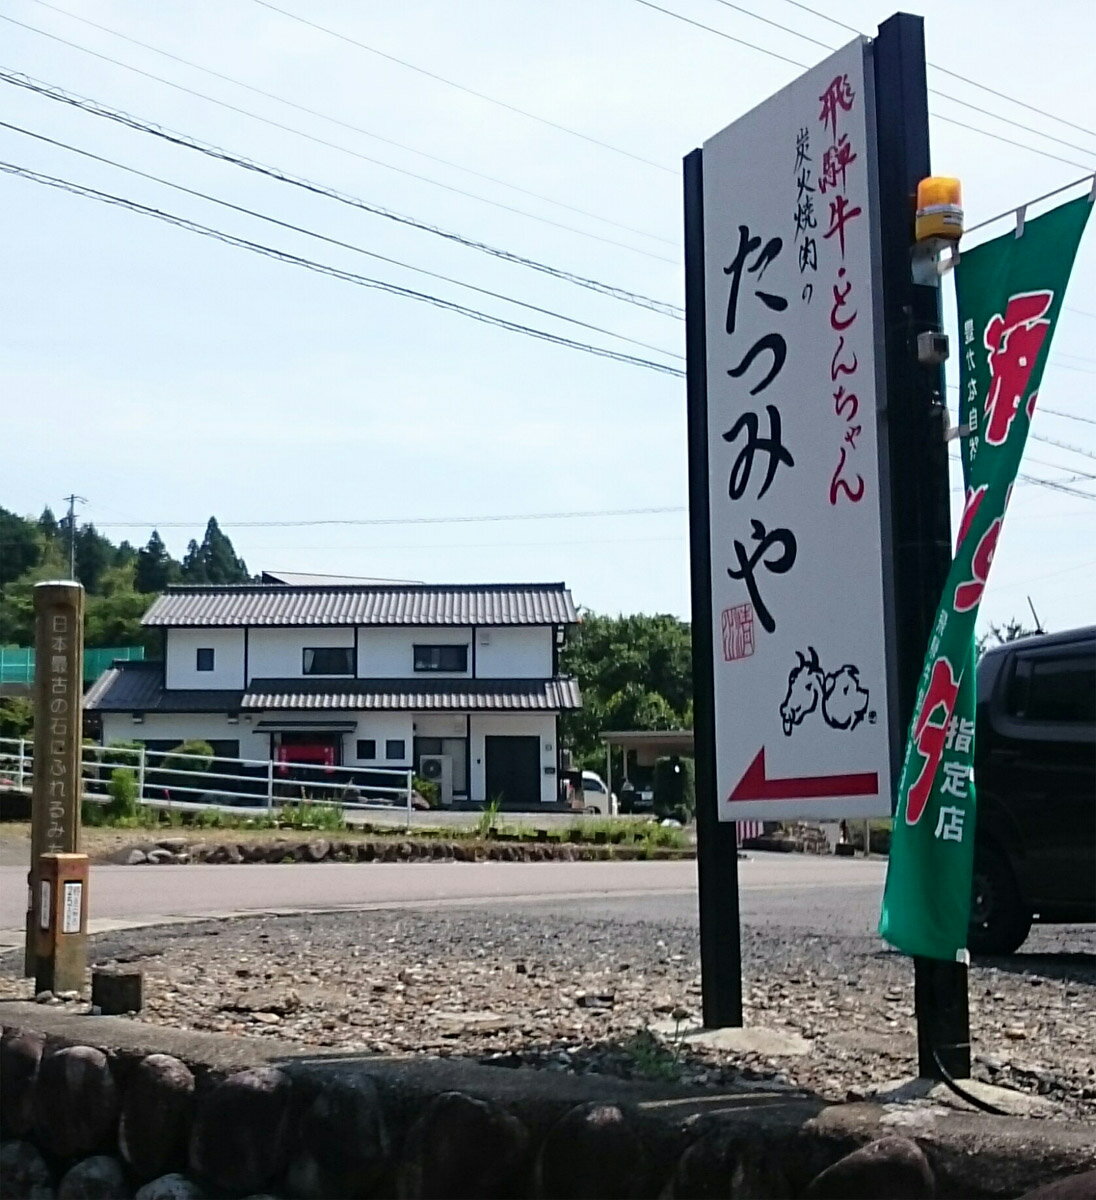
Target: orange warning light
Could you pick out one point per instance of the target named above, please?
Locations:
(939, 209)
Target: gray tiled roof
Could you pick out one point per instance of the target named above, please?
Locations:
(138, 687)
(383, 604)
(413, 695)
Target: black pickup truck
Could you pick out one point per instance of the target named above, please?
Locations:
(1035, 776)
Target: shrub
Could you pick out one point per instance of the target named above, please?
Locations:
(675, 788)
(428, 789)
(328, 817)
(122, 789)
(199, 756)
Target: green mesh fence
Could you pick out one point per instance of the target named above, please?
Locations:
(17, 662)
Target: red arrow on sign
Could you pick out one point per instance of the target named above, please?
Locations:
(755, 786)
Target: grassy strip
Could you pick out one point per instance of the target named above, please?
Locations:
(326, 819)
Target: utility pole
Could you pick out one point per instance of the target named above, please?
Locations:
(73, 500)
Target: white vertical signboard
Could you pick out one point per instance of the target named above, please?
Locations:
(795, 489)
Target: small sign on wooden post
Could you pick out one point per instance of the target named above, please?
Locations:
(58, 729)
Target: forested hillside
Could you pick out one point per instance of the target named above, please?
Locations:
(120, 579)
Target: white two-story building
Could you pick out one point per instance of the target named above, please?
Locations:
(371, 676)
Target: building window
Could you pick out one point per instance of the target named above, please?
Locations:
(394, 749)
(329, 660)
(204, 659)
(441, 658)
(367, 748)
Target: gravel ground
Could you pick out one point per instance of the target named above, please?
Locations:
(581, 995)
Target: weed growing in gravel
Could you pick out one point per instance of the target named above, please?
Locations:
(652, 1058)
(648, 834)
(328, 817)
(488, 817)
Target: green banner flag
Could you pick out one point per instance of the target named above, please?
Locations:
(1009, 295)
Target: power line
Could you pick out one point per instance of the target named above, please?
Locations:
(1057, 412)
(946, 71)
(337, 242)
(1073, 478)
(710, 29)
(335, 145)
(473, 519)
(1040, 437)
(346, 124)
(335, 272)
(95, 108)
(467, 90)
(933, 91)
(798, 63)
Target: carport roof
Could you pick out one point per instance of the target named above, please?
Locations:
(665, 741)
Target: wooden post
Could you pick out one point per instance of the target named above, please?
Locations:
(58, 729)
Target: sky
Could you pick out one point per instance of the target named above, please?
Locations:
(166, 376)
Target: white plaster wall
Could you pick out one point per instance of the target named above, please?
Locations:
(278, 653)
(439, 725)
(380, 727)
(389, 653)
(228, 658)
(514, 653)
(181, 727)
(541, 725)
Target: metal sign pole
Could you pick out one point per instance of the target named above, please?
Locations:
(918, 462)
(717, 845)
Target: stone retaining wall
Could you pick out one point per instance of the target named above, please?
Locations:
(176, 850)
(107, 1109)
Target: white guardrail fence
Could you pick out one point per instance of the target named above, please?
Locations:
(168, 779)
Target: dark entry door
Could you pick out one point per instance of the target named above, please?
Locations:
(513, 771)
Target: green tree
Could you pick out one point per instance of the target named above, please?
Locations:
(16, 717)
(113, 616)
(94, 554)
(635, 672)
(155, 566)
(20, 546)
(214, 561)
(998, 635)
(47, 524)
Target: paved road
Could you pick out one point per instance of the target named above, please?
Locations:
(827, 894)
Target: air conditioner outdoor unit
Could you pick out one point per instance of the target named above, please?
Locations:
(438, 768)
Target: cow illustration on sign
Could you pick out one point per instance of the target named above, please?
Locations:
(838, 694)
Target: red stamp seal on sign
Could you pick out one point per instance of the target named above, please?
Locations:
(738, 632)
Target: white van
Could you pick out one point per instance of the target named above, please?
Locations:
(596, 797)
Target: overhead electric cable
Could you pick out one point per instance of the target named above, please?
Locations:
(250, 212)
(798, 63)
(1039, 437)
(334, 272)
(473, 519)
(95, 108)
(348, 125)
(597, 237)
(710, 29)
(1042, 112)
(932, 91)
(1057, 412)
(467, 90)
